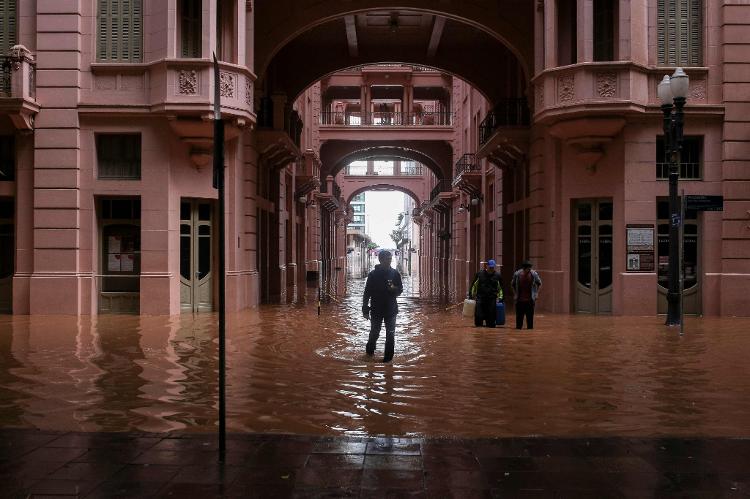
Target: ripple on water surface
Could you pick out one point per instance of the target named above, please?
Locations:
(292, 371)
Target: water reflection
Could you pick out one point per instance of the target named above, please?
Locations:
(292, 371)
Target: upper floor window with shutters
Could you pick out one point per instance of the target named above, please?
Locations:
(680, 32)
(190, 29)
(8, 25)
(119, 35)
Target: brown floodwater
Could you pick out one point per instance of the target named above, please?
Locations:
(292, 371)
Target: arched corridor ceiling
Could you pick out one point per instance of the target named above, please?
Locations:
(435, 155)
(299, 42)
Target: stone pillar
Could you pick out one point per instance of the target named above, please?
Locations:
(550, 34)
(585, 26)
(735, 265)
(61, 281)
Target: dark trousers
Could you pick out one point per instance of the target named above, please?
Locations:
(485, 311)
(376, 322)
(525, 308)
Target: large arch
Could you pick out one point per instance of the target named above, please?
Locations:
(509, 22)
(435, 155)
(384, 186)
(464, 51)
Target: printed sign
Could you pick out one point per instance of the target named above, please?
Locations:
(640, 248)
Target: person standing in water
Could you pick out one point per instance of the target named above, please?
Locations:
(379, 304)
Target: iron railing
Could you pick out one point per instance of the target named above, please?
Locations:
(687, 171)
(5, 78)
(466, 163)
(507, 112)
(442, 186)
(293, 124)
(386, 118)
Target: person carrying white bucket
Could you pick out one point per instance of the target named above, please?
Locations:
(487, 288)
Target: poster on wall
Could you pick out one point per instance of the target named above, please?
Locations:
(113, 262)
(640, 247)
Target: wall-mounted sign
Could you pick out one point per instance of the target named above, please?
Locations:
(704, 203)
(640, 248)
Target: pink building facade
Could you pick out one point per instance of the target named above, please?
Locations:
(539, 135)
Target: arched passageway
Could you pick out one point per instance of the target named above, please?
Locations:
(456, 36)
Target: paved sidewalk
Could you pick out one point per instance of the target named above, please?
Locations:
(106, 465)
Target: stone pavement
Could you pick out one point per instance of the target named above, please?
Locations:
(107, 465)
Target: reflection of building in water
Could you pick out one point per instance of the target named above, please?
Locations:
(11, 385)
(193, 383)
(120, 382)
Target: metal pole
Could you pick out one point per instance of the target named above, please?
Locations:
(218, 183)
(672, 147)
(682, 266)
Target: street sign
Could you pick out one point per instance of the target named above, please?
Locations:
(705, 203)
(676, 220)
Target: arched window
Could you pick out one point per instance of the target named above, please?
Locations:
(680, 32)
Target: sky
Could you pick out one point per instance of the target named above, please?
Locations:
(381, 210)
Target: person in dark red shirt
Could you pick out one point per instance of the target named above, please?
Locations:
(525, 283)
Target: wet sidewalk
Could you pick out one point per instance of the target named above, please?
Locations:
(107, 465)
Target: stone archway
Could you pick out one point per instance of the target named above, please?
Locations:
(299, 42)
(406, 186)
(435, 155)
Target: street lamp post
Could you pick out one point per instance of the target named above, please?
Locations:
(672, 92)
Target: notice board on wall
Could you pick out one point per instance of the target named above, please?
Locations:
(640, 248)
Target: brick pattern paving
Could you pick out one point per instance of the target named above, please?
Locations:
(108, 465)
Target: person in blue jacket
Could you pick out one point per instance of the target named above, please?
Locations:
(379, 304)
(487, 287)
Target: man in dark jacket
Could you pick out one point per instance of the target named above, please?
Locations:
(487, 287)
(382, 287)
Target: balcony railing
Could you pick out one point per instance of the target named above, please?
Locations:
(689, 171)
(387, 118)
(405, 171)
(442, 186)
(21, 68)
(293, 124)
(508, 112)
(467, 163)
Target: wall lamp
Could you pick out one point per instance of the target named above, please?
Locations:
(475, 199)
(461, 208)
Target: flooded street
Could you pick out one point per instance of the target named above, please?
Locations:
(292, 371)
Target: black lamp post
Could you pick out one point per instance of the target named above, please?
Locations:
(672, 92)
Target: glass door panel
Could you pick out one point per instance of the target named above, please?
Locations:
(593, 256)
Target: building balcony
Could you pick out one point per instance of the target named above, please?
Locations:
(18, 88)
(180, 89)
(279, 136)
(386, 119)
(586, 104)
(307, 175)
(441, 196)
(504, 132)
(330, 195)
(468, 176)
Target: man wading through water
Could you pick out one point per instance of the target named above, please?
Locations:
(383, 286)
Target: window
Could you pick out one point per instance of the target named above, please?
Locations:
(680, 32)
(7, 25)
(567, 32)
(225, 31)
(190, 17)
(119, 156)
(689, 244)
(359, 198)
(120, 31)
(604, 30)
(358, 219)
(690, 158)
(357, 168)
(358, 208)
(7, 158)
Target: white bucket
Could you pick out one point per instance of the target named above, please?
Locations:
(469, 306)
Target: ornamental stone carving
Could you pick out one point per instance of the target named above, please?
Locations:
(566, 88)
(606, 84)
(227, 84)
(188, 82)
(697, 90)
(248, 92)
(539, 97)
